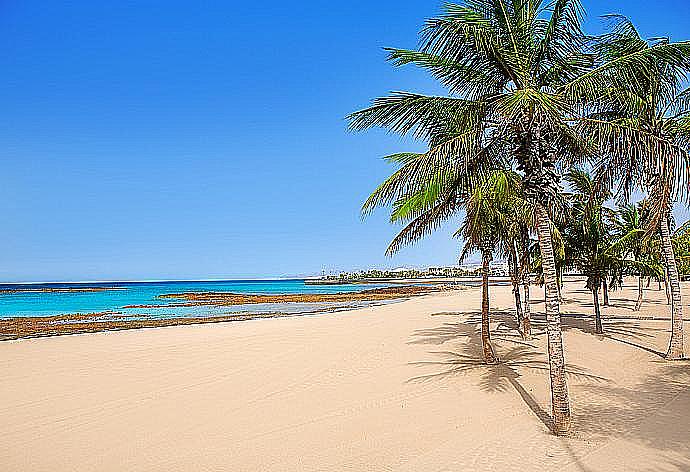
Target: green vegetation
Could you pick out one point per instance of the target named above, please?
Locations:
(530, 98)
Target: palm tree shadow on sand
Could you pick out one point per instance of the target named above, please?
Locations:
(651, 412)
(499, 377)
(623, 329)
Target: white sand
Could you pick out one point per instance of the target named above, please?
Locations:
(385, 388)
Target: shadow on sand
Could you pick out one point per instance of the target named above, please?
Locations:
(622, 330)
(651, 412)
(625, 329)
(497, 377)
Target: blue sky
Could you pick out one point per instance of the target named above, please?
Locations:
(148, 140)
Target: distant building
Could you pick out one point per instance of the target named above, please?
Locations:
(496, 268)
(499, 269)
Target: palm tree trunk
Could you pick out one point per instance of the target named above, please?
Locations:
(675, 347)
(560, 404)
(559, 283)
(668, 294)
(526, 327)
(640, 293)
(599, 329)
(515, 280)
(489, 356)
(605, 289)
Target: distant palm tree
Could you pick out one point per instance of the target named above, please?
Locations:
(517, 77)
(631, 225)
(644, 128)
(515, 247)
(525, 276)
(592, 247)
(489, 206)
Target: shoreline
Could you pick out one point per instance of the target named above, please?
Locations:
(23, 327)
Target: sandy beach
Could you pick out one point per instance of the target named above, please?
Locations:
(394, 387)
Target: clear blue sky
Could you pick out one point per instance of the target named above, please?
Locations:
(177, 139)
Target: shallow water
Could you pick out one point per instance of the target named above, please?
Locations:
(34, 302)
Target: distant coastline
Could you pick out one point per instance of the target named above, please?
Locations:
(467, 280)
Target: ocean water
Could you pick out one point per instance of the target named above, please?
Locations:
(29, 301)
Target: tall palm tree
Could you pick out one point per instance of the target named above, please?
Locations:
(516, 78)
(644, 126)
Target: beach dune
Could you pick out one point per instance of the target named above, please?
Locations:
(394, 387)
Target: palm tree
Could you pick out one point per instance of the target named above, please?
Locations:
(630, 225)
(497, 59)
(515, 239)
(488, 203)
(488, 207)
(586, 237)
(643, 123)
(516, 78)
(592, 248)
(525, 271)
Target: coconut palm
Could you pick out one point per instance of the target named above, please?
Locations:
(643, 125)
(488, 207)
(515, 239)
(593, 248)
(630, 225)
(525, 277)
(488, 203)
(516, 78)
(496, 58)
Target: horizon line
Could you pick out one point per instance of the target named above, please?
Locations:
(260, 279)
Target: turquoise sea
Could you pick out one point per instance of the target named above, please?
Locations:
(29, 300)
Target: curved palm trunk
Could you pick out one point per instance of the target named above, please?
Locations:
(526, 327)
(675, 347)
(605, 290)
(489, 356)
(640, 293)
(668, 294)
(599, 329)
(560, 404)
